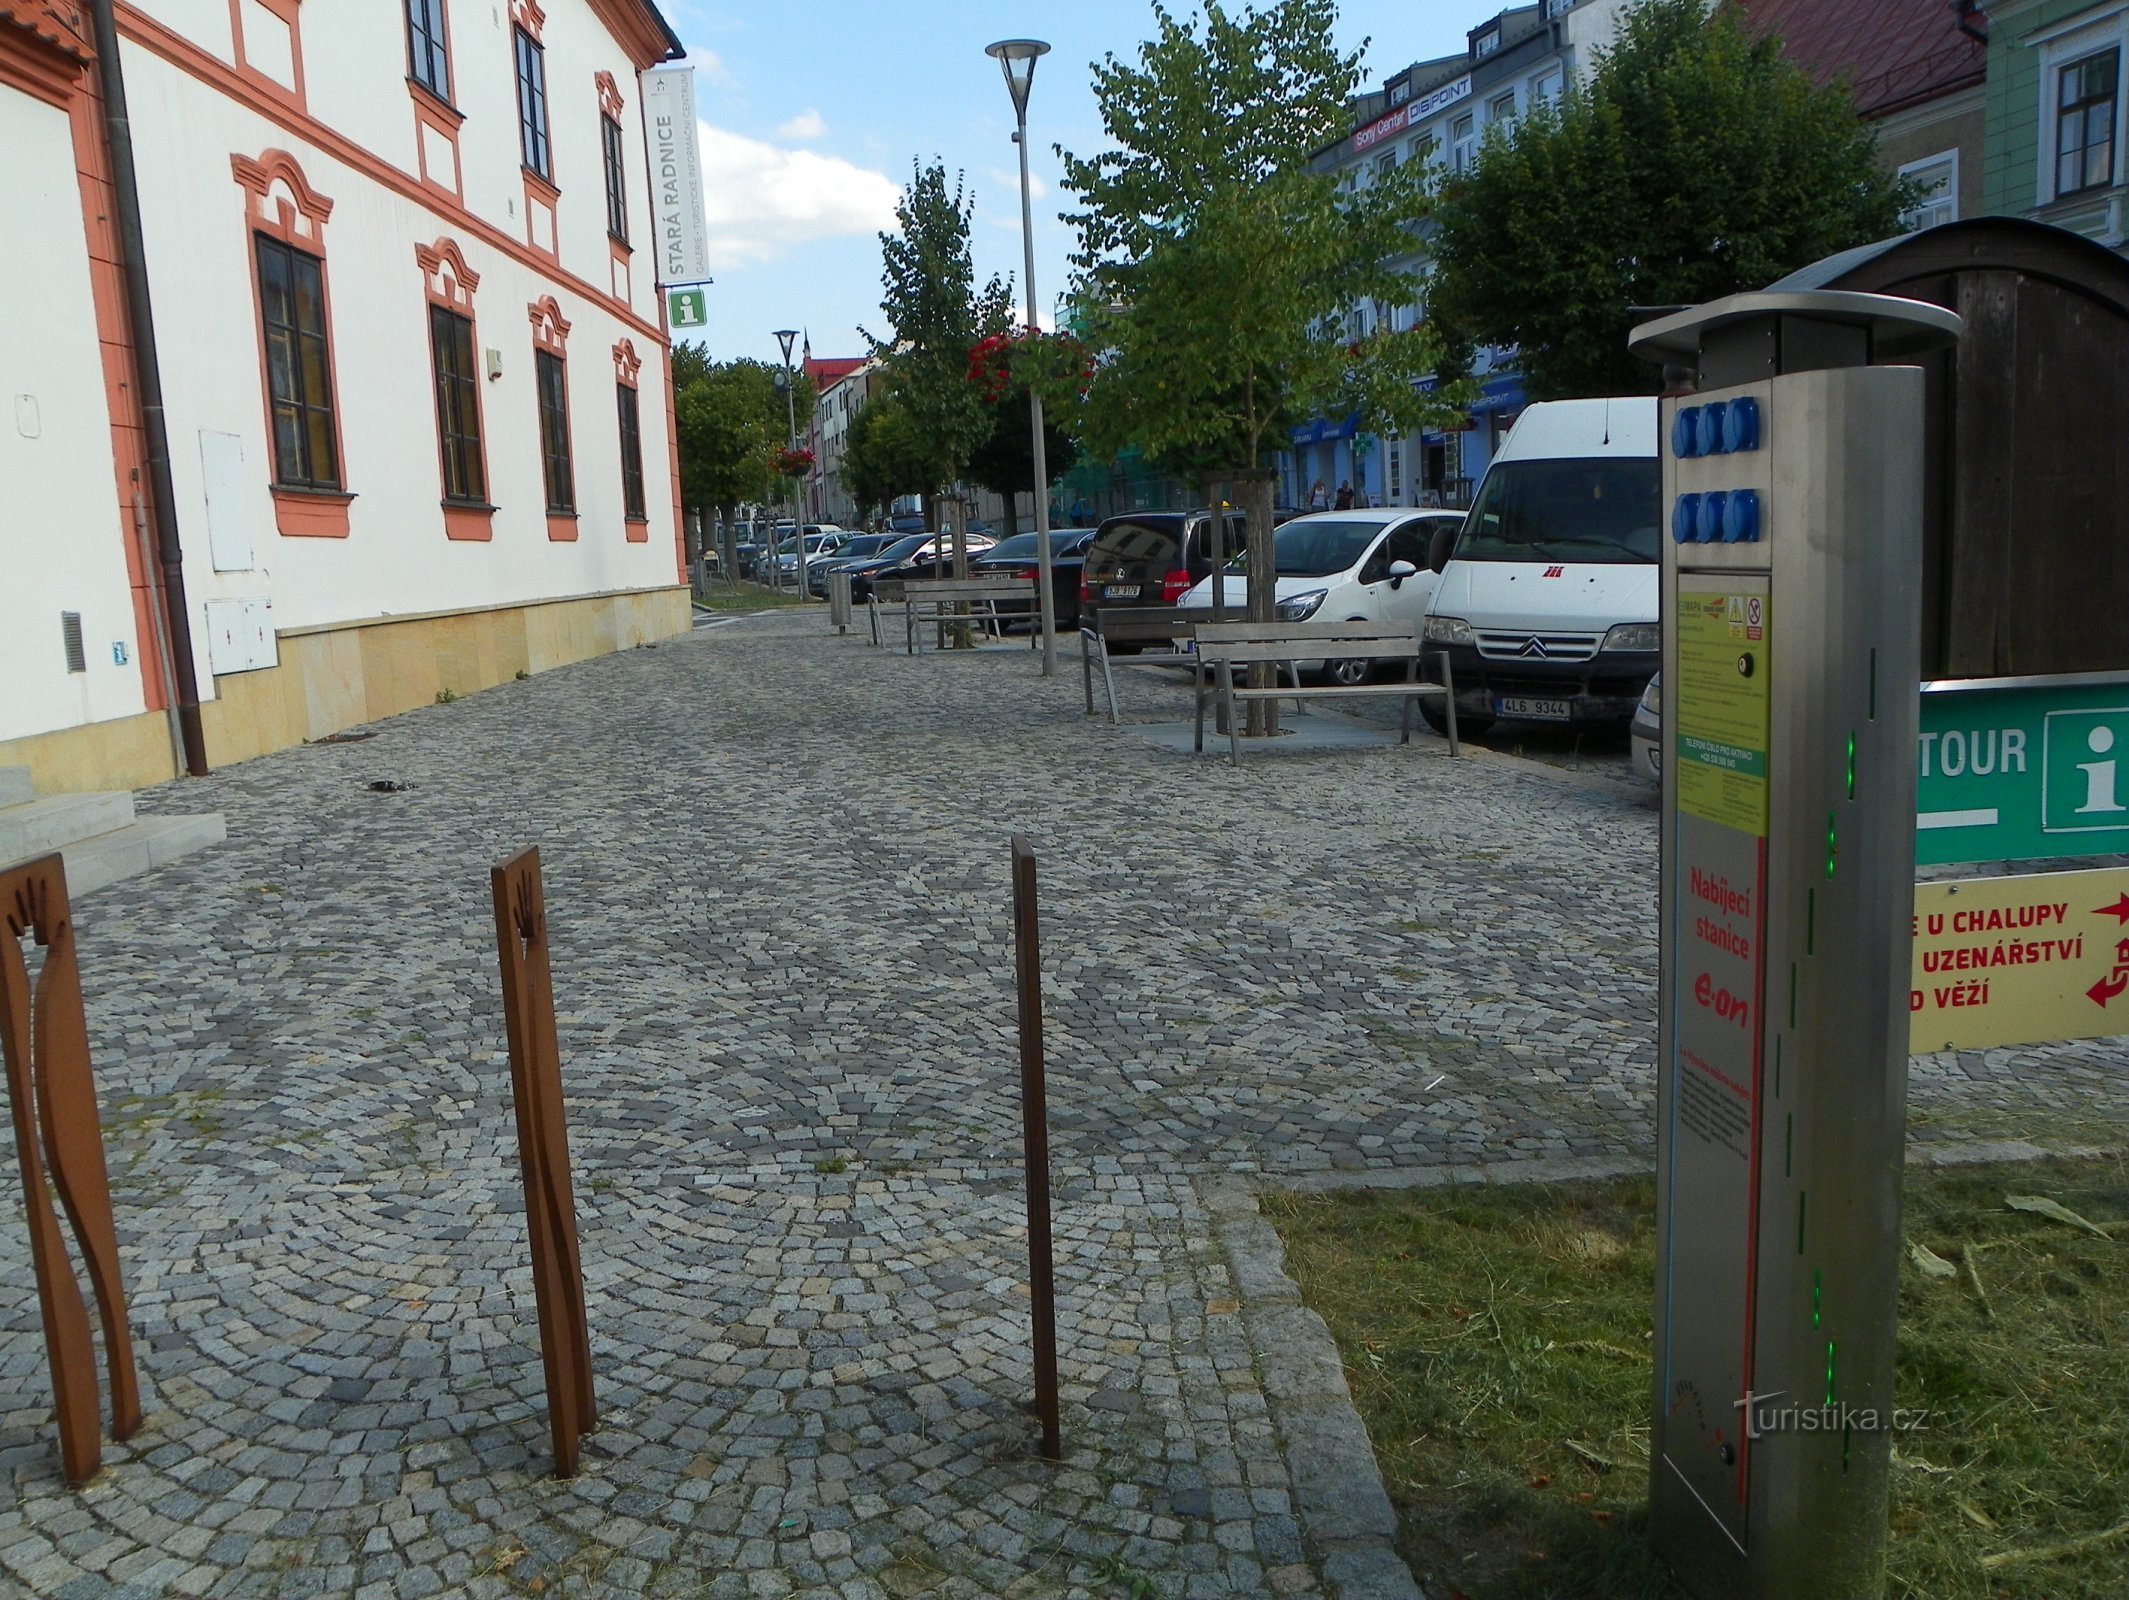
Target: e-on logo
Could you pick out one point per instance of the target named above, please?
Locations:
(2082, 788)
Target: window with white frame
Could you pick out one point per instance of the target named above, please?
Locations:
(1501, 108)
(2087, 121)
(1938, 178)
(1548, 85)
(1385, 164)
(1462, 144)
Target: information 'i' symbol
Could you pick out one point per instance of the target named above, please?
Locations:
(2099, 775)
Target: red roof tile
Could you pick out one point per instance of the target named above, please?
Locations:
(1893, 53)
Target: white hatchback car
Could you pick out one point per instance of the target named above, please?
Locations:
(1364, 565)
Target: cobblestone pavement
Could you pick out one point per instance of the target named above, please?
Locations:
(777, 873)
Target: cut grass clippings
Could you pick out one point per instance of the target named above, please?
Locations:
(1498, 1344)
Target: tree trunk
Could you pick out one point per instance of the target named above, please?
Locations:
(1263, 599)
(1010, 516)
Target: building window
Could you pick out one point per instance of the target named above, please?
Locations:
(299, 377)
(1549, 85)
(554, 431)
(1385, 164)
(458, 417)
(1461, 143)
(532, 106)
(428, 53)
(616, 179)
(2086, 94)
(1502, 109)
(631, 453)
(1938, 178)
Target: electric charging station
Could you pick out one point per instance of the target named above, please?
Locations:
(1792, 550)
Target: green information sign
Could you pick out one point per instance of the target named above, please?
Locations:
(2021, 769)
(1722, 698)
(687, 308)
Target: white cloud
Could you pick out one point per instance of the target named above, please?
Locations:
(709, 67)
(762, 201)
(806, 125)
(1010, 183)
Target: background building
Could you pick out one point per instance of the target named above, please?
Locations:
(2054, 130)
(413, 370)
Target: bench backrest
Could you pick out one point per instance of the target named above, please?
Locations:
(1143, 624)
(1300, 641)
(888, 591)
(967, 589)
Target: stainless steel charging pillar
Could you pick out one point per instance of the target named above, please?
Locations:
(1792, 557)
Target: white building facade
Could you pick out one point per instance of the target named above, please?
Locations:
(413, 369)
(1438, 113)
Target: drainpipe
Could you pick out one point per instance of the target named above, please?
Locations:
(147, 377)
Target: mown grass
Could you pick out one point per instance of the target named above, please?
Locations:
(750, 597)
(1498, 1344)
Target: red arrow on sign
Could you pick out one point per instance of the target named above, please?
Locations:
(2120, 909)
(2107, 988)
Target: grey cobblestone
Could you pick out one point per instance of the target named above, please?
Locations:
(777, 875)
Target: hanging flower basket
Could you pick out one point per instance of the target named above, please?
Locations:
(793, 463)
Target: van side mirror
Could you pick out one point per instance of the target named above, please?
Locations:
(1439, 546)
(1401, 570)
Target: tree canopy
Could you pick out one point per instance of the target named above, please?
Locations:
(936, 313)
(884, 457)
(1696, 162)
(1217, 267)
(731, 422)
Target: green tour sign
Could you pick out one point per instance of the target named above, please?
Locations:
(687, 308)
(2021, 769)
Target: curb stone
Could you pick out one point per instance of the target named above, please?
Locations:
(1337, 1486)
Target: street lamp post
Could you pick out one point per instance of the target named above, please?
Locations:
(784, 336)
(1017, 58)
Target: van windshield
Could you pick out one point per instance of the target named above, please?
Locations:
(1577, 510)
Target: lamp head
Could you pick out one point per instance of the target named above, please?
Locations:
(1017, 57)
(784, 336)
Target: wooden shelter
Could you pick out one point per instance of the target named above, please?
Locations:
(2026, 516)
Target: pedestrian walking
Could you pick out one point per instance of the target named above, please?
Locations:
(1344, 502)
(1319, 498)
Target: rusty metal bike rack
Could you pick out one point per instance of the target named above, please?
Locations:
(1035, 1145)
(543, 1153)
(51, 1091)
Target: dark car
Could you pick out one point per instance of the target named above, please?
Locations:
(921, 555)
(1149, 558)
(906, 522)
(1017, 557)
(858, 547)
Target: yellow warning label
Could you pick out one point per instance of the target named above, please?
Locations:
(2023, 960)
(1718, 709)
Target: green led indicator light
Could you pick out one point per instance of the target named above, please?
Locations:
(1851, 766)
(1814, 1297)
(1832, 844)
(1829, 1371)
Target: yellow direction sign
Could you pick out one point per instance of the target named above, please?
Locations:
(2020, 960)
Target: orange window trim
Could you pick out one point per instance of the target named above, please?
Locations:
(298, 221)
(189, 58)
(469, 524)
(562, 527)
(290, 12)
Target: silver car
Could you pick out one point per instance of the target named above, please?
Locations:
(1646, 735)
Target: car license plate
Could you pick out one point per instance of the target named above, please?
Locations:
(1120, 591)
(1537, 710)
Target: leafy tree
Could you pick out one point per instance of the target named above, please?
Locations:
(1695, 163)
(936, 312)
(1003, 368)
(1216, 268)
(731, 421)
(884, 457)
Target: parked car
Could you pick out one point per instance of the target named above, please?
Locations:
(906, 522)
(855, 547)
(1017, 556)
(1151, 558)
(921, 555)
(1547, 598)
(1364, 565)
(1645, 735)
(822, 539)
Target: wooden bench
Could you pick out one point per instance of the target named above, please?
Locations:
(1223, 646)
(1158, 635)
(941, 601)
(884, 592)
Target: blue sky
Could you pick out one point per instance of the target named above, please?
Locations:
(811, 116)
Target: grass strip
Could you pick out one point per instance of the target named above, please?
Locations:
(1498, 1344)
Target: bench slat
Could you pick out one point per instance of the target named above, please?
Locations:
(1313, 648)
(1303, 632)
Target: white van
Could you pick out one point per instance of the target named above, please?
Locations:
(1547, 602)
